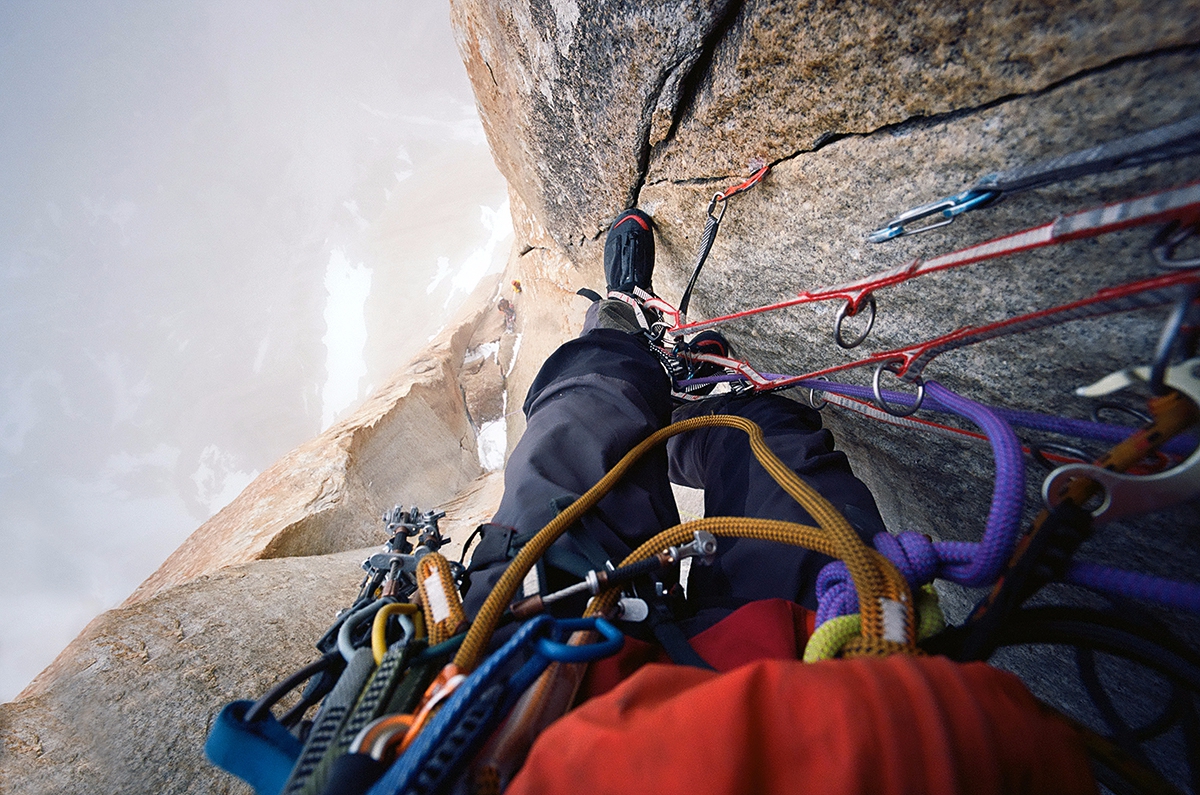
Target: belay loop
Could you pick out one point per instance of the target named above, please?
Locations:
(711, 224)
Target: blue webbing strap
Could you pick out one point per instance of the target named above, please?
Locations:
(261, 753)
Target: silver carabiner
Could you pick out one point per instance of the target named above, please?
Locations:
(812, 395)
(1167, 240)
(1126, 494)
(949, 208)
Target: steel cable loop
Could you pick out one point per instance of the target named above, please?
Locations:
(727, 527)
(864, 564)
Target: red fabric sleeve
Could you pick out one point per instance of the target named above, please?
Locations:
(894, 725)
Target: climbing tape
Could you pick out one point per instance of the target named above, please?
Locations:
(392, 671)
(332, 716)
(439, 596)
(828, 640)
(908, 363)
(458, 726)
(1181, 204)
(880, 587)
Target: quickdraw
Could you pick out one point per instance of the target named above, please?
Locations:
(1180, 205)
(1163, 143)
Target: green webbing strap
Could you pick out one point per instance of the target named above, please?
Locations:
(369, 707)
(331, 718)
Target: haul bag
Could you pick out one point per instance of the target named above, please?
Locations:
(876, 725)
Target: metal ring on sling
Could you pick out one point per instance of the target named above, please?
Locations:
(812, 395)
(883, 404)
(1167, 240)
(845, 312)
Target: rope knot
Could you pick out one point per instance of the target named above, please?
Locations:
(836, 595)
(912, 553)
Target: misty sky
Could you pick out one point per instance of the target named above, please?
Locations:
(221, 225)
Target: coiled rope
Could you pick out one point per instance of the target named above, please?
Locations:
(885, 602)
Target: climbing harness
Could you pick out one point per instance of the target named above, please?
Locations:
(1163, 143)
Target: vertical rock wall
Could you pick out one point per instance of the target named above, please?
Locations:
(863, 110)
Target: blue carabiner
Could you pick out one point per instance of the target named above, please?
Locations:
(555, 649)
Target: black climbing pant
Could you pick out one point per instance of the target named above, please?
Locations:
(594, 399)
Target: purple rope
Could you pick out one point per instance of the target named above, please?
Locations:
(966, 563)
(1172, 593)
(835, 592)
(976, 564)
(1181, 445)
(1004, 519)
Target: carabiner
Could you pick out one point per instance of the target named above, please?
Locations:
(949, 208)
(1167, 240)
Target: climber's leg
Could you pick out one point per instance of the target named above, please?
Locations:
(719, 460)
(594, 399)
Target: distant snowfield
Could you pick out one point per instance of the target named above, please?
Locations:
(345, 334)
(220, 227)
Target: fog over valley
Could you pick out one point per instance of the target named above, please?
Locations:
(222, 224)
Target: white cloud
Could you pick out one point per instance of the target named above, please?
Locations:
(218, 479)
(345, 334)
(481, 261)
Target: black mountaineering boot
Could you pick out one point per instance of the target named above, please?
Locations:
(629, 253)
(628, 268)
(712, 343)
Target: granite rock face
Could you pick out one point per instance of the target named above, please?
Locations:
(863, 110)
(546, 71)
(136, 692)
(584, 101)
